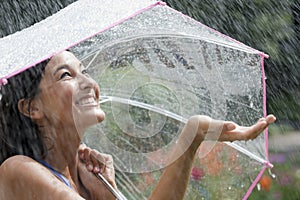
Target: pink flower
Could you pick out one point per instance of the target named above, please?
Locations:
(197, 173)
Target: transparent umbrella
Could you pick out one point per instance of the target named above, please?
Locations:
(157, 67)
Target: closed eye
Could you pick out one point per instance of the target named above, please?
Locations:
(65, 74)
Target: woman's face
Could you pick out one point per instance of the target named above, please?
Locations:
(68, 95)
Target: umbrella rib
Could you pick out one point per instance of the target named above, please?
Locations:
(245, 151)
(94, 57)
(117, 194)
(216, 41)
(177, 117)
(145, 106)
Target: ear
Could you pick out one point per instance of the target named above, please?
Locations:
(30, 108)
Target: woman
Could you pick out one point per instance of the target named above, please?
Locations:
(55, 109)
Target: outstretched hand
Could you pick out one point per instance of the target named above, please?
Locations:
(232, 131)
(201, 127)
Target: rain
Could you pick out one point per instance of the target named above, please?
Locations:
(270, 26)
(273, 27)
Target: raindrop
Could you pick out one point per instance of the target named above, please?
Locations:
(251, 104)
(272, 174)
(258, 187)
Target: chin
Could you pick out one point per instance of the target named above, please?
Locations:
(101, 117)
(88, 118)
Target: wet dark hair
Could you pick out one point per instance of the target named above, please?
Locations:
(19, 135)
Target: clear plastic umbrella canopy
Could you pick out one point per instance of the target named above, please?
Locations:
(156, 68)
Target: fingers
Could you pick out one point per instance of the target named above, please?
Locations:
(99, 161)
(254, 131)
(263, 123)
(88, 159)
(95, 161)
(81, 151)
(232, 131)
(270, 119)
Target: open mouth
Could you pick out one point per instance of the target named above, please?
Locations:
(88, 100)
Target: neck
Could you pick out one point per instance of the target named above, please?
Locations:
(62, 144)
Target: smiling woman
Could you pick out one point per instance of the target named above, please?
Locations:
(38, 131)
(44, 113)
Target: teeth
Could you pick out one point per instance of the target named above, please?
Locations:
(86, 101)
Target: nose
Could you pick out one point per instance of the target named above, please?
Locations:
(85, 82)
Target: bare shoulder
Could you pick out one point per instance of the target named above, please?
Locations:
(25, 178)
(16, 166)
(20, 173)
(16, 161)
(12, 169)
(13, 164)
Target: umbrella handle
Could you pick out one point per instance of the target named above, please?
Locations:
(117, 194)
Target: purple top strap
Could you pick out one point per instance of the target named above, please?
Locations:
(59, 175)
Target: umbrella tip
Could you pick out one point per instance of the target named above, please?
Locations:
(161, 3)
(271, 173)
(3, 81)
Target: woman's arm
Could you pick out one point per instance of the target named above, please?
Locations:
(174, 180)
(24, 178)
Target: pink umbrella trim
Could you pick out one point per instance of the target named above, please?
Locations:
(3, 80)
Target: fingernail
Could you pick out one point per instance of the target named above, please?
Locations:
(90, 167)
(96, 169)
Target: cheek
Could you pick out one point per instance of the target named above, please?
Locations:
(59, 102)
